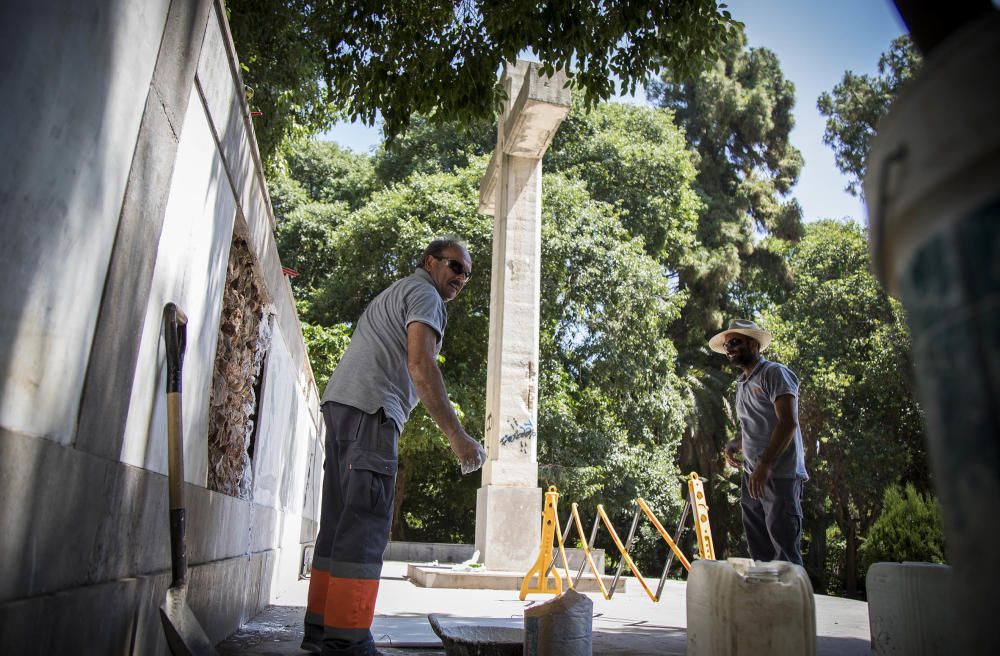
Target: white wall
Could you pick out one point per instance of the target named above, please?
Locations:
(190, 270)
(73, 102)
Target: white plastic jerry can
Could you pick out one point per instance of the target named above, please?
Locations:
(749, 608)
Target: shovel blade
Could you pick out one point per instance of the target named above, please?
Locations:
(184, 633)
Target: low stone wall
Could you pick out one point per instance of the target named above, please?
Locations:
(427, 552)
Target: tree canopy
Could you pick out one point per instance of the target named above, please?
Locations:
(737, 114)
(857, 103)
(309, 63)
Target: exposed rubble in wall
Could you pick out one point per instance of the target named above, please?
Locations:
(244, 339)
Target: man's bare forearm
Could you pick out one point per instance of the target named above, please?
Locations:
(429, 383)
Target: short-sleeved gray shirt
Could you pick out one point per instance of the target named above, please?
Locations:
(755, 396)
(373, 373)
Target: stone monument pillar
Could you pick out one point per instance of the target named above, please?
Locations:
(508, 505)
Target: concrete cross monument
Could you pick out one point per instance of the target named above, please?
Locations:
(508, 505)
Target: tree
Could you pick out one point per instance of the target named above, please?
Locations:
(329, 173)
(430, 147)
(855, 106)
(637, 160)
(610, 409)
(738, 116)
(281, 62)
(309, 63)
(848, 343)
(610, 404)
(909, 529)
(314, 191)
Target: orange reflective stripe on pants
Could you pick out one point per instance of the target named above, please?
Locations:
(319, 582)
(350, 603)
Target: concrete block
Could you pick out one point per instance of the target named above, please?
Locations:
(426, 552)
(111, 371)
(508, 521)
(73, 519)
(911, 608)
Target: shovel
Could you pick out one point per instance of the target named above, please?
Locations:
(184, 634)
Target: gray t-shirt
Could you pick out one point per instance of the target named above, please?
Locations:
(373, 373)
(755, 396)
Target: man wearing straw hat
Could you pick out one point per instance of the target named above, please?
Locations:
(770, 441)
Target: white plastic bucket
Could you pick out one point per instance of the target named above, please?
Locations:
(739, 607)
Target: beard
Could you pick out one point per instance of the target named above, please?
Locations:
(743, 358)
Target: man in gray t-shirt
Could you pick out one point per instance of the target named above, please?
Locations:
(390, 364)
(773, 460)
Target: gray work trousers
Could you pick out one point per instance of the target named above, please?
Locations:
(773, 523)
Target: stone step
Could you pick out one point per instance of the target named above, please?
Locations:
(443, 576)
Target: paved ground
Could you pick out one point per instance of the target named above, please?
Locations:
(627, 624)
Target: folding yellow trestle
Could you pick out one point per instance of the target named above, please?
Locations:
(546, 562)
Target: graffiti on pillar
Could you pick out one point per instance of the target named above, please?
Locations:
(520, 433)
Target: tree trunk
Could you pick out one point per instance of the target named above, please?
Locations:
(816, 556)
(851, 558)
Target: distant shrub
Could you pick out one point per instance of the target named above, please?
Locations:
(909, 529)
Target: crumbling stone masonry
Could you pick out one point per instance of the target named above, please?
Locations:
(244, 339)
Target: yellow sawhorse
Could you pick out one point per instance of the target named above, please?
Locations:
(545, 564)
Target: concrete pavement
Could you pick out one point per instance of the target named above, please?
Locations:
(627, 624)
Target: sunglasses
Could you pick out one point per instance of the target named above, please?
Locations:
(454, 265)
(734, 342)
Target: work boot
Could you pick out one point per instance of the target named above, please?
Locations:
(311, 646)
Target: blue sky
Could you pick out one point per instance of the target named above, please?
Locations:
(816, 41)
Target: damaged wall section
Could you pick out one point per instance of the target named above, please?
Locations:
(244, 339)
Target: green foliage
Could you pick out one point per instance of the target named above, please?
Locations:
(738, 116)
(610, 403)
(909, 529)
(304, 239)
(307, 62)
(430, 147)
(331, 174)
(313, 192)
(636, 159)
(325, 347)
(280, 61)
(856, 104)
(609, 413)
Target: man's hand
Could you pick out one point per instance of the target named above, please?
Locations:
(469, 452)
(733, 447)
(757, 480)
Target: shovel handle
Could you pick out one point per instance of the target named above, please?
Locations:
(175, 338)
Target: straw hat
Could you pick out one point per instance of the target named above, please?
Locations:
(742, 327)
